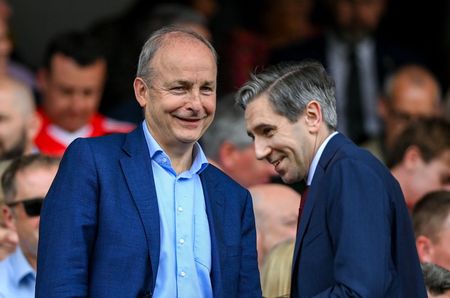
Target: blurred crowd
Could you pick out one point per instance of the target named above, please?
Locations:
(392, 98)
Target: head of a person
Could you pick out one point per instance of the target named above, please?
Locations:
(19, 123)
(289, 111)
(276, 213)
(420, 159)
(356, 19)
(25, 183)
(227, 144)
(176, 86)
(431, 221)
(72, 80)
(411, 92)
(437, 280)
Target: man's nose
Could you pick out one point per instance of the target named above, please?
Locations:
(262, 150)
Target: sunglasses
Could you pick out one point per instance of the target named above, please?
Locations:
(32, 206)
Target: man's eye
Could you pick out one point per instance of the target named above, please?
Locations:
(206, 90)
(178, 89)
(267, 131)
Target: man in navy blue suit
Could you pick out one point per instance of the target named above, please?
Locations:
(354, 236)
(144, 214)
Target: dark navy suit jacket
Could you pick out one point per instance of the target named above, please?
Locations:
(99, 228)
(355, 236)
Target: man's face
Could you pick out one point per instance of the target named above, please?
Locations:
(72, 92)
(31, 183)
(284, 144)
(357, 18)
(431, 176)
(246, 169)
(13, 132)
(408, 102)
(180, 99)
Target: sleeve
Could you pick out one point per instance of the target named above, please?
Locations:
(249, 283)
(359, 221)
(68, 223)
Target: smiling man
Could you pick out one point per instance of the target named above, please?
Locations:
(143, 214)
(354, 236)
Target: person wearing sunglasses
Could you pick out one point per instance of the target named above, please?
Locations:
(25, 183)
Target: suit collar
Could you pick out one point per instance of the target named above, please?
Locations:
(137, 169)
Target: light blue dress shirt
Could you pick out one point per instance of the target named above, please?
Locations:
(17, 277)
(185, 253)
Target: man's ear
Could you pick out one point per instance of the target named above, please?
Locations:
(34, 124)
(313, 116)
(425, 249)
(412, 158)
(8, 217)
(141, 91)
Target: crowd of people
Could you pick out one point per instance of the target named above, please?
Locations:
(309, 161)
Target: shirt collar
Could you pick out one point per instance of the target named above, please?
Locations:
(21, 268)
(315, 161)
(157, 154)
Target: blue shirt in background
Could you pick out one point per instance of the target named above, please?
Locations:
(17, 277)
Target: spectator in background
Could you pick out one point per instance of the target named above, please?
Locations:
(228, 146)
(420, 158)
(411, 92)
(358, 60)
(25, 183)
(437, 280)
(431, 219)
(72, 82)
(276, 212)
(19, 123)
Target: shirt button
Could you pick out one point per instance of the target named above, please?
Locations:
(183, 274)
(181, 241)
(180, 209)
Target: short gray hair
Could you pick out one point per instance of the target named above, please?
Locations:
(156, 41)
(290, 87)
(228, 126)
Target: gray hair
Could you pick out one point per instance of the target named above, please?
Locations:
(437, 278)
(228, 126)
(156, 41)
(290, 87)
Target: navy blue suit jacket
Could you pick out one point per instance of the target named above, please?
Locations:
(99, 229)
(355, 236)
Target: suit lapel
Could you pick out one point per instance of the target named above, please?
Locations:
(330, 150)
(137, 169)
(214, 201)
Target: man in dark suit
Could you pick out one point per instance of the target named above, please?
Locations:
(143, 214)
(354, 236)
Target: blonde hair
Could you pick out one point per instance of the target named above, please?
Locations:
(276, 270)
